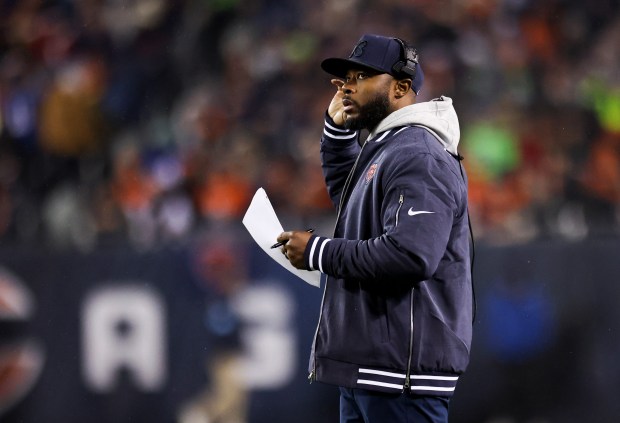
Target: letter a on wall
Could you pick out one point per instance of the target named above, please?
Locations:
(123, 329)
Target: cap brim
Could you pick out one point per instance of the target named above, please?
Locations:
(339, 67)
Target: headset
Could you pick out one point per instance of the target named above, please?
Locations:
(409, 65)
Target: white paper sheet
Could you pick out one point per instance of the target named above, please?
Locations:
(263, 224)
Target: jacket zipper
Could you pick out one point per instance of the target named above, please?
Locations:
(407, 385)
(401, 200)
(347, 182)
(312, 374)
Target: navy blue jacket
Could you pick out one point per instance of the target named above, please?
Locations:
(397, 310)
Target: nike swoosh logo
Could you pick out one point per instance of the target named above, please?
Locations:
(411, 212)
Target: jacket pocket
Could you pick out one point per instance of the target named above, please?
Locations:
(442, 349)
(376, 311)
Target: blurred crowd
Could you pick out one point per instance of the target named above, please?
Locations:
(148, 121)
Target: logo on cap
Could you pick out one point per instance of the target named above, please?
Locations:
(359, 49)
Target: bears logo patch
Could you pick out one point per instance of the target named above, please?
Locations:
(371, 172)
(358, 50)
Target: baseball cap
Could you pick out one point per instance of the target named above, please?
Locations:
(381, 54)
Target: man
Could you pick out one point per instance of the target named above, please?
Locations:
(396, 319)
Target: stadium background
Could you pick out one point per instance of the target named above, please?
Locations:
(134, 133)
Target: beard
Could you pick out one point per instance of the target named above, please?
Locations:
(370, 114)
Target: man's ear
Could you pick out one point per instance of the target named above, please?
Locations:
(402, 87)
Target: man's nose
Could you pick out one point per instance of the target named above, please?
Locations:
(347, 88)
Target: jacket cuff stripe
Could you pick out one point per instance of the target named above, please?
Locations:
(345, 136)
(320, 255)
(336, 129)
(314, 252)
(312, 248)
(337, 133)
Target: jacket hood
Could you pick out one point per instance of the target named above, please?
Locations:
(437, 116)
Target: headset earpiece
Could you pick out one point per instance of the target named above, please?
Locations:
(410, 62)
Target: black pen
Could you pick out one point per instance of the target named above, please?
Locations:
(279, 244)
